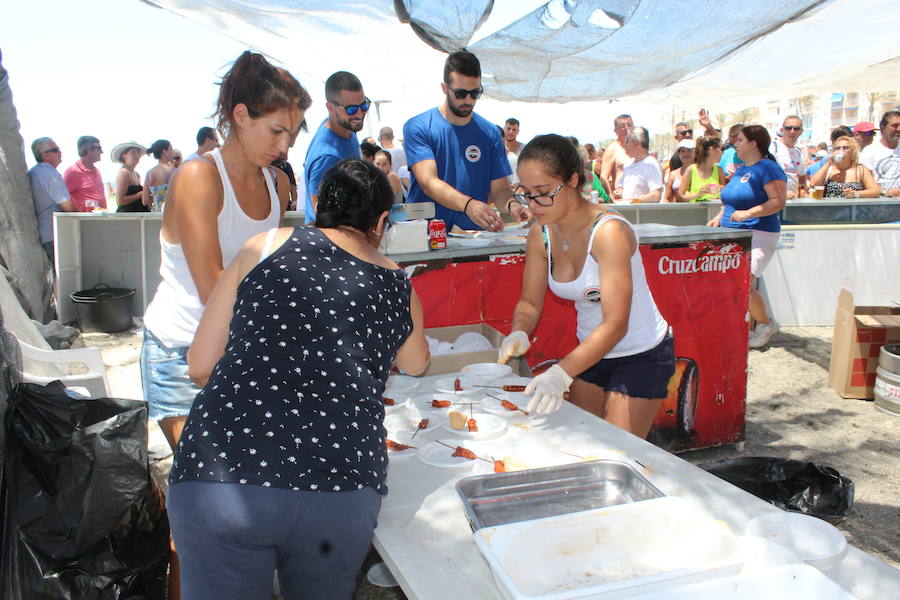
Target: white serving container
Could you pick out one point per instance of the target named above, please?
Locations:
(789, 582)
(611, 552)
(816, 542)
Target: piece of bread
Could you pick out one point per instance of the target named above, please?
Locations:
(457, 420)
(514, 464)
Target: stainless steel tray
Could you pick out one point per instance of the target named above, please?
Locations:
(500, 498)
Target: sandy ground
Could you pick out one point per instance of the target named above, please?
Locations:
(791, 413)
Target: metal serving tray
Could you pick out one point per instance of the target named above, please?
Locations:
(500, 498)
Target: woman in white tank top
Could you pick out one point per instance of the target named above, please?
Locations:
(215, 204)
(585, 253)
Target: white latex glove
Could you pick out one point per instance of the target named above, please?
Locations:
(515, 344)
(548, 389)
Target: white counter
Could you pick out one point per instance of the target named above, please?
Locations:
(425, 539)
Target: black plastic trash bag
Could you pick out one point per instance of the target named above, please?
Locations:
(789, 484)
(81, 517)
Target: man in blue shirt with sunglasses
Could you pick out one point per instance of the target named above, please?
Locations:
(335, 139)
(457, 158)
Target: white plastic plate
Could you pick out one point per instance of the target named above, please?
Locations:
(408, 421)
(486, 371)
(437, 455)
(489, 426)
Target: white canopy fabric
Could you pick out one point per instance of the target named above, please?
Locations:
(736, 52)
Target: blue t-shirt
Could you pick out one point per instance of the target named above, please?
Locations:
(730, 161)
(746, 190)
(325, 150)
(468, 157)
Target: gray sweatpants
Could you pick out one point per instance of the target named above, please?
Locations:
(230, 538)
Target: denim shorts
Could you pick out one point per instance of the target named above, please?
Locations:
(168, 390)
(644, 375)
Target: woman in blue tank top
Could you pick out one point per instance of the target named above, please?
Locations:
(282, 462)
(588, 254)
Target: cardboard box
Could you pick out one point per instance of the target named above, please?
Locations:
(859, 334)
(452, 363)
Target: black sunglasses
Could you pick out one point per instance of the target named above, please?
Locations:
(351, 109)
(857, 133)
(685, 133)
(792, 128)
(96, 148)
(50, 150)
(461, 93)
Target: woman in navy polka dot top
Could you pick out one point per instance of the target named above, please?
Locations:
(282, 461)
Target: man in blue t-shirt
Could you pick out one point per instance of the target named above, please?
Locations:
(457, 158)
(335, 139)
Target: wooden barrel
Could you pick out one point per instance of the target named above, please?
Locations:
(887, 379)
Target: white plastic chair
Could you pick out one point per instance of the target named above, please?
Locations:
(43, 366)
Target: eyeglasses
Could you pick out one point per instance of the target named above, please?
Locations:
(461, 93)
(842, 148)
(792, 128)
(54, 150)
(96, 148)
(352, 109)
(540, 199)
(685, 133)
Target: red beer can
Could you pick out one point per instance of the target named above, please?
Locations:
(437, 234)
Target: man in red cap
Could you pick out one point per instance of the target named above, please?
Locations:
(864, 134)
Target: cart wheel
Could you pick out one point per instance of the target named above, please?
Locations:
(688, 394)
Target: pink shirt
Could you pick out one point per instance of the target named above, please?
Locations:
(84, 184)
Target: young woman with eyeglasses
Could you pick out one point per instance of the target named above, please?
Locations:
(586, 253)
(843, 176)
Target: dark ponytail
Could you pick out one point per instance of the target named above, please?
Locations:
(158, 147)
(263, 88)
(354, 193)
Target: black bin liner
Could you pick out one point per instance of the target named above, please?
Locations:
(789, 484)
(81, 517)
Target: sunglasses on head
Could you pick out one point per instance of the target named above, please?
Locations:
(351, 109)
(461, 93)
(792, 128)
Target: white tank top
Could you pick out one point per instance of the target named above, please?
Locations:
(175, 311)
(646, 327)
